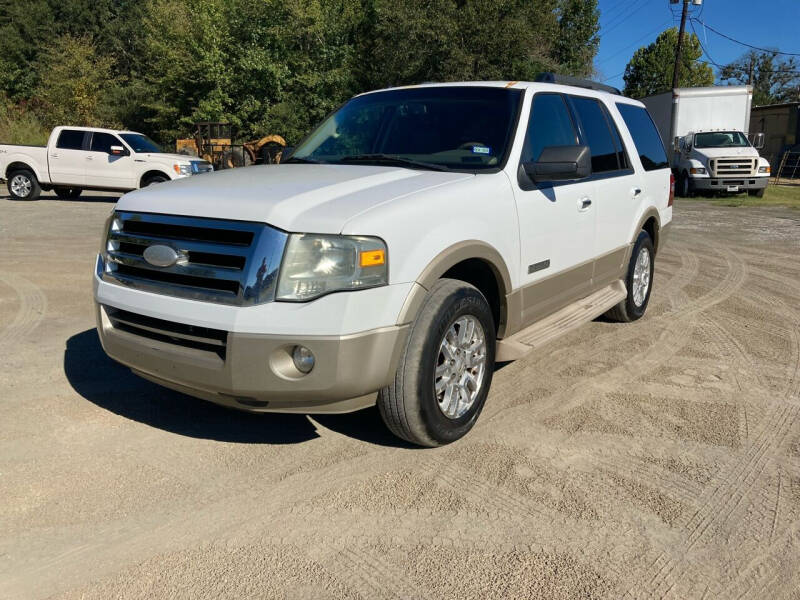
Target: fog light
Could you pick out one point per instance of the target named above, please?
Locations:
(303, 359)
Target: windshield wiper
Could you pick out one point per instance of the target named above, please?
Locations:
(392, 160)
(297, 159)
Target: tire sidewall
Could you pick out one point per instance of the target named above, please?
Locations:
(465, 301)
(636, 312)
(154, 180)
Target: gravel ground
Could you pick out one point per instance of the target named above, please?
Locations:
(655, 459)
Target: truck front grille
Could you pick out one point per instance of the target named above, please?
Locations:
(170, 332)
(733, 167)
(228, 262)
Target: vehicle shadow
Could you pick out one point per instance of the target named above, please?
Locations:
(113, 387)
(91, 197)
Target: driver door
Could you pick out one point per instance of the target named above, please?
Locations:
(556, 219)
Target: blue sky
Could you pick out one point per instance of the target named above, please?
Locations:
(626, 25)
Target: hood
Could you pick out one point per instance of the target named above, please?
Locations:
(168, 158)
(745, 152)
(293, 197)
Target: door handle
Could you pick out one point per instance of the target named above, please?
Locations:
(584, 204)
(636, 191)
(90, 158)
(54, 156)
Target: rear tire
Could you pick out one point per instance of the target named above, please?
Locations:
(23, 185)
(435, 401)
(635, 303)
(67, 193)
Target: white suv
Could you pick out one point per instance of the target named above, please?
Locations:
(416, 238)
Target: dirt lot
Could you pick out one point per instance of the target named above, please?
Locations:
(658, 459)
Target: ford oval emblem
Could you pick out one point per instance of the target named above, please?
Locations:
(160, 255)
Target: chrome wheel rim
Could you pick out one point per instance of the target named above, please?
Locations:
(21, 186)
(641, 277)
(460, 367)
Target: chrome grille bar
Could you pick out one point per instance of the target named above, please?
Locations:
(227, 262)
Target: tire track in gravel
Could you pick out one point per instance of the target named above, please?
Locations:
(31, 311)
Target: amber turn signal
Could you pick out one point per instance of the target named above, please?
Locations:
(372, 258)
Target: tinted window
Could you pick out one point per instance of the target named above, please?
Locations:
(70, 139)
(102, 142)
(549, 125)
(645, 136)
(597, 134)
(140, 143)
(622, 156)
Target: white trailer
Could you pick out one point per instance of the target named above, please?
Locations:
(705, 132)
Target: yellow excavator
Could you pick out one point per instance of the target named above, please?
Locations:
(213, 142)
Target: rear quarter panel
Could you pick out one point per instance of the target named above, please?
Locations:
(34, 157)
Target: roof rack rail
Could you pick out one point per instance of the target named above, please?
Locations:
(584, 83)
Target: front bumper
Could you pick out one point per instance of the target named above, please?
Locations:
(256, 372)
(722, 184)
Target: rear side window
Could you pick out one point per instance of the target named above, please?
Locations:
(597, 133)
(549, 125)
(70, 139)
(645, 136)
(102, 142)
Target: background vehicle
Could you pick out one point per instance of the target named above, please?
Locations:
(83, 158)
(213, 142)
(414, 238)
(705, 131)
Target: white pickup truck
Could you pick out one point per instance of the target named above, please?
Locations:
(84, 158)
(418, 236)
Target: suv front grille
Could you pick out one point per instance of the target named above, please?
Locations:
(188, 336)
(733, 167)
(229, 262)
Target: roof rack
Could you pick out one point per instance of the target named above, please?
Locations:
(584, 83)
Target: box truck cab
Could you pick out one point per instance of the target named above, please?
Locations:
(706, 131)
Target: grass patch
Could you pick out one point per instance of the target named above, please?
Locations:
(775, 195)
(19, 125)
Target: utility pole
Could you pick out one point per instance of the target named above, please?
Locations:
(676, 70)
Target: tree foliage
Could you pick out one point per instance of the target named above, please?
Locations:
(268, 66)
(773, 79)
(651, 68)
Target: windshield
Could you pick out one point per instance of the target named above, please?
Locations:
(720, 139)
(140, 143)
(460, 128)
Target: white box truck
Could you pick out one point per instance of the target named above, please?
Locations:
(705, 132)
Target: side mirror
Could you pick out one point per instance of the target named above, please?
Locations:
(758, 142)
(687, 142)
(561, 163)
(117, 151)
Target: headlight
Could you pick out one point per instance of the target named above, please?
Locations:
(314, 265)
(697, 171)
(182, 169)
(763, 169)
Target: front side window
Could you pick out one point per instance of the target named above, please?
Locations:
(140, 143)
(102, 142)
(443, 128)
(597, 133)
(70, 139)
(549, 125)
(720, 139)
(645, 136)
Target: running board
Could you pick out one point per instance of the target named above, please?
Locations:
(561, 322)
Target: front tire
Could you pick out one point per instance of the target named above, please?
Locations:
(759, 193)
(23, 185)
(639, 282)
(685, 187)
(67, 193)
(154, 179)
(446, 369)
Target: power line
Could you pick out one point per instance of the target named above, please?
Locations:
(620, 51)
(727, 37)
(625, 17)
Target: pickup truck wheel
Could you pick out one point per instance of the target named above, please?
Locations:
(639, 282)
(67, 193)
(446, 369)
(23, 185)
(153, 179)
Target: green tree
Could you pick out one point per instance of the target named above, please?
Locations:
(576, 41)
(73, 83)
(773, 79)
(650, 69)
